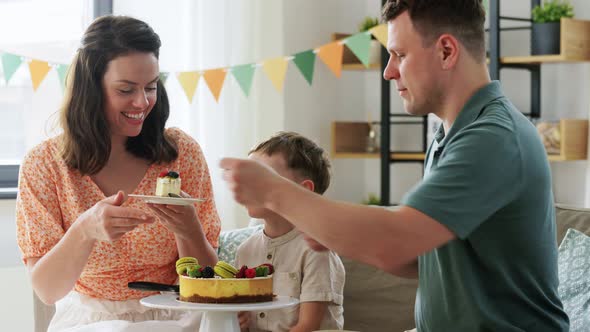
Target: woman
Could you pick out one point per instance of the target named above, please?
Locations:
(75, 227)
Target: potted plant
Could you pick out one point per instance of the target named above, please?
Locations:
(375, 50)
(545, 36)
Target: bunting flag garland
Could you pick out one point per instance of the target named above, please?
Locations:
(243, 75)
(380, 33)
(163, 77)
(305, 61)
(359, 45)
(10, 63)
(276, 69)
(39, 70)
(214, 79)
(330, 54)
(62, 71)
(189, 80)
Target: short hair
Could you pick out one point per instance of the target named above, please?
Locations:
(463, 19)
(86, 142)
(302, 155)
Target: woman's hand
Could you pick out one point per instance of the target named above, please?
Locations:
(107, 220)
(182, 220)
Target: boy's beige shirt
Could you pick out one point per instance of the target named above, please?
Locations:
(300, 272)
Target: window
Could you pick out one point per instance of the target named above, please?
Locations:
(34, 29)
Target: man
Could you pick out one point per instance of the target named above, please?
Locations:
(479, 230)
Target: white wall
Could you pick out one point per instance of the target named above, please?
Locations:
(353, 97)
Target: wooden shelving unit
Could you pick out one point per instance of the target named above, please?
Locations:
(574, 140)
(349, 140)
(360, 66)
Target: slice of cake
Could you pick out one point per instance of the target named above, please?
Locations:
(168, 184)
(224, 283)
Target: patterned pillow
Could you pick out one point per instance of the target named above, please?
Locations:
(574, 278)
(229, 241)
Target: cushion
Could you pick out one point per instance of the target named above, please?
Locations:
(377, 301)
(571, 217)
(229, 241)
(574, 278)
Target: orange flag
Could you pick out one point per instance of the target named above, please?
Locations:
(39, 70)
(189, 80)
(214, 79)
(331, 55)
(276, 69)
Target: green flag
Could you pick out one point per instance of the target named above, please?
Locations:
(305, 61)
(244, 75)
(163, 77)
(10, 63)
(62, 72)
(359, 44)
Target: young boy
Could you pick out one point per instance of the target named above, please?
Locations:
(315, 278)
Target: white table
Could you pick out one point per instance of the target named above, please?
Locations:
(216, 317)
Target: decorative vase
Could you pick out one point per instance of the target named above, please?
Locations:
(545, 38)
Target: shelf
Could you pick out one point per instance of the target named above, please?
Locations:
(574, 46)
(408, 156)
(573, 140)
(349, 140)
(360, 66)
(538, 59)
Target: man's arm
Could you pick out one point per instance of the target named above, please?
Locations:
(389, 240)
(310, 316)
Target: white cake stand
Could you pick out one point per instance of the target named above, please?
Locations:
(216, 317)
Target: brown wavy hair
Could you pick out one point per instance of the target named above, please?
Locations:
(86, 141)
(464, 19)
(302, 155)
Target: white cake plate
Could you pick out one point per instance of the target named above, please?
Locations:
(216, 317)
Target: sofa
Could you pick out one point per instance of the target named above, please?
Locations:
(373, 300)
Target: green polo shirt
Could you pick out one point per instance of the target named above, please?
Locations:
(488, 180)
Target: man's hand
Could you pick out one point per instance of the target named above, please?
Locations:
(250, 181)
(313, 244)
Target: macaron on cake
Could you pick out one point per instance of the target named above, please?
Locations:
(223, 283)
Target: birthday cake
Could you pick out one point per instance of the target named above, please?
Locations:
(223, 283)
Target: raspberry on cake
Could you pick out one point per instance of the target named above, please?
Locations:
(224, 286)
(168, 184)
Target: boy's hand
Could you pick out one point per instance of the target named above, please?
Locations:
(244, 319)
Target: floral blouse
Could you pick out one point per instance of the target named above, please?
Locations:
(52, 196)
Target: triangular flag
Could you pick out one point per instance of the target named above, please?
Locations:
(359, 45)
(305, 62)
(39, 70)
(62, 72)
(276, 69)
(10, 63)
(214, 79)
(244, 74)
(331, 55)
(189, 80)
(380, 32)
(163, 77)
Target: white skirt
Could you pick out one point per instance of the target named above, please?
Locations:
(78, 312)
